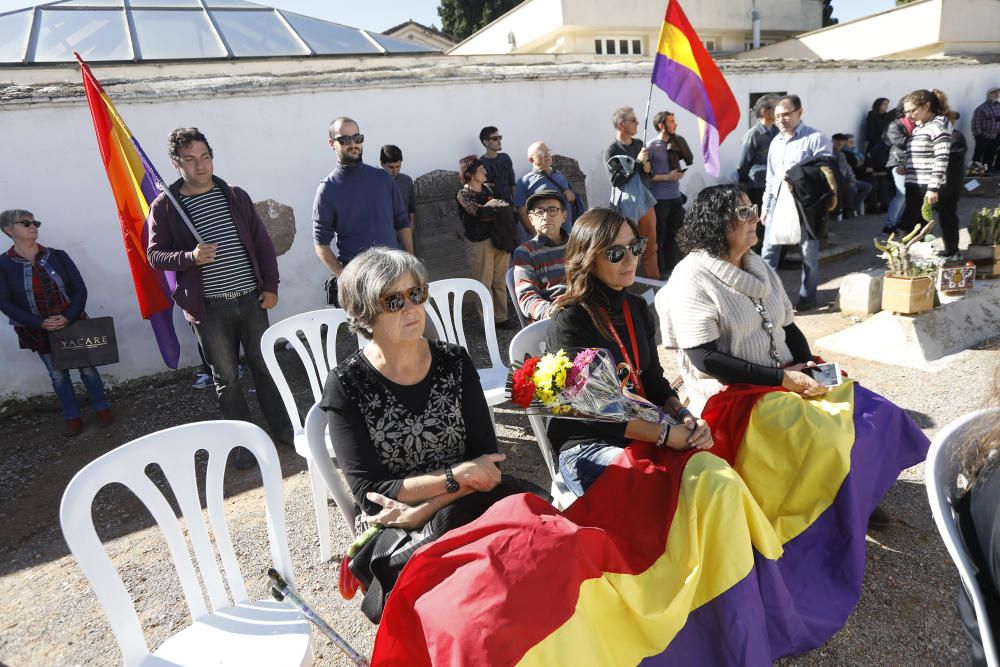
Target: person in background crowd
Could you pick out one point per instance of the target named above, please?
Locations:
(752, 172)
(877, 121)
(926, 166)
(41, 290)
(226, 283)
(499, 167)
(543, 177)
(539, 262)
(391, 159)
(986, 130)
(477, 207)
(666, 153)
(629, 168)
(898, 136)
(857, 190)
(357, 203)
(794, 143)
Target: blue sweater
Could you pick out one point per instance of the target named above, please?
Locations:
(362, 206)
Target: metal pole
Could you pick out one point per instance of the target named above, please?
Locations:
(177, 206)
(645, 119)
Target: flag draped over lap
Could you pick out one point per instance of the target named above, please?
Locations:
(134, 185)
(735, 556)
(687, 74)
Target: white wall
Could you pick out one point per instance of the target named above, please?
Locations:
(274, 145)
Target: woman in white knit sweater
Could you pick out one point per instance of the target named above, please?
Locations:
(726, 309)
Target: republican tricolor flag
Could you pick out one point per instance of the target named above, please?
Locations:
(134, 183)
(688, 75)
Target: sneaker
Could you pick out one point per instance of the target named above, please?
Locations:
(73, 427)
(804, 305)
(104, 417)
(889, 229)
(203, 381)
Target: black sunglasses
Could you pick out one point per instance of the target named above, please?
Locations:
(29, 223)
(347, 140)
(394, 302)
(495, 137)
(616, 253)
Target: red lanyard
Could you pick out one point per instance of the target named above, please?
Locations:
(633, 369)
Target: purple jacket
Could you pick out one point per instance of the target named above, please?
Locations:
(171, 247)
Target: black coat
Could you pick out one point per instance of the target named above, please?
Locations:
(817, 188)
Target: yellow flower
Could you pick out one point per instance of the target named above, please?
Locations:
(550, 376)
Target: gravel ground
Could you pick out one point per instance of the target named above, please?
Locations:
(51, 617)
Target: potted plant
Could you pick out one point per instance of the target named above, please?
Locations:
(984, 241)
(911, 263)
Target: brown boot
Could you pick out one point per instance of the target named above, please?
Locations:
(104, 417)
(73, 427)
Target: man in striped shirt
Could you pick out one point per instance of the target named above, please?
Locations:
(227, 277)
(539, 269)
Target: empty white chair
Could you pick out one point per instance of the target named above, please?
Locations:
(318, 439)
(317, 359)
(531, 340)
(227, 629)
(943, 493)
(446, 297)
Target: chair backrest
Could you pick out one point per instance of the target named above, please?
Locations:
(446, 315)
(316, 358)
(509, 278)
(531, 341)
(317, 432)
(943, 493)
(174, 450)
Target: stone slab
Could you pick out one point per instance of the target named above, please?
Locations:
(984, 186)
(861, 293)
(921, 340)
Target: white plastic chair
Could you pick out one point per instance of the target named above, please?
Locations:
(531, 340)
(446, 296)
(227, 630)
(318, 438)
(943, 494)
(650, 294)
(509, 279)
(317, 360)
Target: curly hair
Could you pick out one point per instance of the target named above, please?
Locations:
(711, 215)
(182, 137)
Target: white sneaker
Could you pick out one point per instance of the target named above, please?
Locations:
(203, 381)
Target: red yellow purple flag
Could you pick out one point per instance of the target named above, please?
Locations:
(688, 75)
(134, 183)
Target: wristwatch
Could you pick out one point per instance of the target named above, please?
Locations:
(450, 485)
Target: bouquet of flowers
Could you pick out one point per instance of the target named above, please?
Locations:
(577, 384)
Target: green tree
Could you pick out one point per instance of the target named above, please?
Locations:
(461, 18)
(828, 14)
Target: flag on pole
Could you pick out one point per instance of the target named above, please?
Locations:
(134, 183)
(688, 75)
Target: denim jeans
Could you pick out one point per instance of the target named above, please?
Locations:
(895, 212)
(582, 464)
(229, 323)
(62, 384)
(810, 262)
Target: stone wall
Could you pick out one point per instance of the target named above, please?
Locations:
(438, 238)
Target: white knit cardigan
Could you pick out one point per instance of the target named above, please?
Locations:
(707, 299)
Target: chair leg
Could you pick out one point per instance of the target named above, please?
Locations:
(322, 514)
(493, 419)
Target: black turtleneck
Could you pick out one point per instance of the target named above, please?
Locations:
(573, 327)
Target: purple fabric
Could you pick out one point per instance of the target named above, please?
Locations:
(799, 601)
(684, 87)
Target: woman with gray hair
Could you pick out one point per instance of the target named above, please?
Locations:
(408, 419)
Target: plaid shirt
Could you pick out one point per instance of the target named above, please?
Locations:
(49, 299)
(986, 120)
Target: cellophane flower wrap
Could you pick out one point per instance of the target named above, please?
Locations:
(579, 383)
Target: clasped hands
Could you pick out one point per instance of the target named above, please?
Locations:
(54, 323)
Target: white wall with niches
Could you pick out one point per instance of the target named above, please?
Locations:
(270, 138)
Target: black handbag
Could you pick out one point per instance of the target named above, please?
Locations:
(86, 342)
(330, 286)
(378, 563)
(502, 229)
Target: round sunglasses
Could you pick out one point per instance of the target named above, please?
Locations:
(392, 303)
(616, 253)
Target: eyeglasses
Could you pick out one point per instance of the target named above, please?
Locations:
(394, 302)
(546, 210)
(347, 140)
(616, 253)
(787, 114)
(907, 112)
(495, 137)
(29, 223)
(746, 213)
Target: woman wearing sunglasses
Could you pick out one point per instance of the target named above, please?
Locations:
(408, 419)
(596, 311)
(41, 290)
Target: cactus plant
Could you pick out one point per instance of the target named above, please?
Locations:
(897, 254)
(984, 227)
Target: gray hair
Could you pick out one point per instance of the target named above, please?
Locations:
(365, 280)
(8, 218)
(765, 102)
(619, 115)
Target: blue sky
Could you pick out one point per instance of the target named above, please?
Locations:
(379, 15)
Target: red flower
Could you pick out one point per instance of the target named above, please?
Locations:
(523, 390)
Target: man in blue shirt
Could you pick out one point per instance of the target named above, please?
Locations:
(391, 159)
(357, 203)
(794, 143)
(752, 171)
(499, 167)
(542, 177)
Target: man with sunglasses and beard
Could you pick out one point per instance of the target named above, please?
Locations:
(358, 204)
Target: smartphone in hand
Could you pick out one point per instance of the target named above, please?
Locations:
(826, 374)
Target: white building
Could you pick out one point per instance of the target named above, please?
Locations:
(419, 33)
(632, 27)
